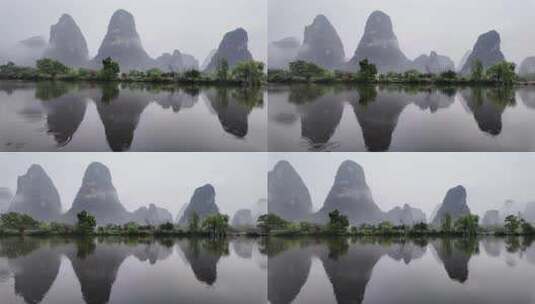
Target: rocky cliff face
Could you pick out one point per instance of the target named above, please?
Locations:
(202, 203)
(5, 199)
(491, 218)
(351, 195)
(405, 215)
(208, 59)
(322, 45)
(232, 48)
(486, 50)
(152, 215)
(98, 196)
(527, 67)
(380, 45)
(453, 204)
(282, 52)
(67, 43)
(123, 44)
(243, 217)
(36, 196)
(288, 196)
(433, 64)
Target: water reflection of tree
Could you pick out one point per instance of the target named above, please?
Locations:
(110, 92)
(48, 90)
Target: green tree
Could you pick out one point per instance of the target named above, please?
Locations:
(502, 72)
(216, 224)
(527, 228)
(167, 226)
(193, 224)
(306, 70)
(222, 70)
(446, 224)
(192, 74)
(368, 71)
(477, 70)
(154, 74)
(512, 223)
(468, 224)
(86, 223)
(338, 223)
(17, 221)
(448, 75)
(110, 69)
(51, 67)
(249, 72)
(270, 221)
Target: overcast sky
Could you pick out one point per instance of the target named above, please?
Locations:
(166, 179)
(422, 179)
(450, 27)
(192, 26)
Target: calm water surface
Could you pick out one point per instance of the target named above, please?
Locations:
(57, 116)
(392, 271)
(132, 271)
(400, 118)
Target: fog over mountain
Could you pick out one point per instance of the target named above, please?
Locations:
(193, 27)
(447, 27)
(167, 180)
(422, 179)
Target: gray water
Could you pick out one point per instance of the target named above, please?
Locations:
(400, 118)
(382, 271)
(60, 116)
(132, 271)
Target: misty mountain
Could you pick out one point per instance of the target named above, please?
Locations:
(486, 50)
(5, 199)
(67, 43)
(491, 218)
(259, 208)
(380, 46)
(322, 44)
(123, 44)
(405, 215)
(282, 52)
(463, 61)
(527, 67)
(454, 204)
(202, 203)
(351, 195)
(232, 48)
(208, 59)
(243, 217)
(153, 215)
(529, 212)
(98, 196)
(177, 62)
(36, 195)
(433, 63)
(288, 196)
(27, 51)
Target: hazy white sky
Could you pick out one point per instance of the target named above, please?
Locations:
(422, 179)
(192, 26)
(450, 27)
(166, 179)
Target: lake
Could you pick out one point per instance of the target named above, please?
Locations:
(400, 118)
(72, 116)
(381, 271)
(115, 270)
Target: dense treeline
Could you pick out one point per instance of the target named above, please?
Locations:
(214, 226)
(466, 226)
(502, 73)
(244, 73)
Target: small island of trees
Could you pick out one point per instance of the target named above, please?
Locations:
(250, 73)
(502, 73)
